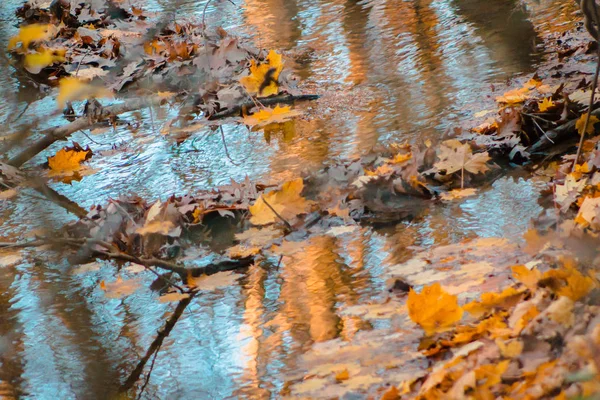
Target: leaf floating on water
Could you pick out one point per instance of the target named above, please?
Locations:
(32, 33)
(213, 282)
(74, 89)
(171, 297)
(433, 309)
(457, 194)
(263, 78)
(68, 160)
(10, 259)
(455, 156)
(287, 202)
(35, 62)
(120, 288)
(270, 115)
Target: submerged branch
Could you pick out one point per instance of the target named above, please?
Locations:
(62, 132)
(156, 343)
(285, 98)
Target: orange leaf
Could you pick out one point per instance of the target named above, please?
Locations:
(490, 301)
(263, 77)
(433, 309)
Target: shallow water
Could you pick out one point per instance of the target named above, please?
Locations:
(401, 71)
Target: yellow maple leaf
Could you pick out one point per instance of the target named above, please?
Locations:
(433, 309)
(35, 62)
(382, 170)
(73, 89)
(32, 33)
(401, 158)
(514, 96)
(270, 115)
(581, 122)
(528, 277)
(490, 301)
(545, 104)
(263, 78)
(67, 160)
(287, 202)
(573, 284)
(342, 375)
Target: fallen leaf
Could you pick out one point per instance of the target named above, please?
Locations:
(287, 202)
(545, 104)
(270, 115)
(8, 194)
(455, 156)
(581, 123)
(263, 78)
(528, 277)
(120, 288)
(342, 375)
(68, 160)
(213, 282)
(457, 194)
(492, 301)
(32, 33)
(10, 259)
(72, 88)
(174, 296)
(433, 309)
(35, 62)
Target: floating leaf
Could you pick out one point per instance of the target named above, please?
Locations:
(455, 156)
(73, 89)
(491, 301)
(174, 296)
(35, 62)
(212, 282)
(270, 115)
(433, 309)
(32, 33)
(581, 123)
(457, 194)
(120, 288)
(68, 160)
(263, 78)
(287, 202)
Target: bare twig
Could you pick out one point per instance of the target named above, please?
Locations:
(287, 224)
(225, 145)
(156, 343)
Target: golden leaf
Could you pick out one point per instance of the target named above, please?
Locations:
(270, 115)
(67, 160)
(514, 96)
(457, 194)
(545, 104)
(528, 277)
(490, 301)
(581, 122)
(342, 375)
(263, 77)
(32, 33)
(35, 62)
(455, 156)
(574, 284)
(391, 394)
(401, 158)
(510, 349)
(74, 89)
(287, 202)
(433, 309)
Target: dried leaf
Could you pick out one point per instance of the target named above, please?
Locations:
(270, 115)
(455, 156)
(433, 309)
(73, 89)
(213, 282)
(581, 123)
(492, 301)
(287, 202)
(68, 160)
(263, 78)
(120, 288)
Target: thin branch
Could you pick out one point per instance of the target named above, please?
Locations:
(287, 224)
(156, 343)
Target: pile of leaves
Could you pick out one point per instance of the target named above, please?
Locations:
(126, 47)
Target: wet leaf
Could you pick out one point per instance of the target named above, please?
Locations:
(433, 309)
(68, 160)
(35, 62)
(32, 33)
(120, 288)
(457, 194)
(455, 156)
(528, 277)
(492, 301)
(287, 202)
(174, 296)
(7, 260)
(270, 115)
(545, 104)
(342, 376)
(213, 282)
(73, 89)
(263, 78)
(581, 123)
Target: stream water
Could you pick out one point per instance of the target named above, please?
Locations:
(404, 71)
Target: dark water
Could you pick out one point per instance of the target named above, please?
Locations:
(400, 71)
